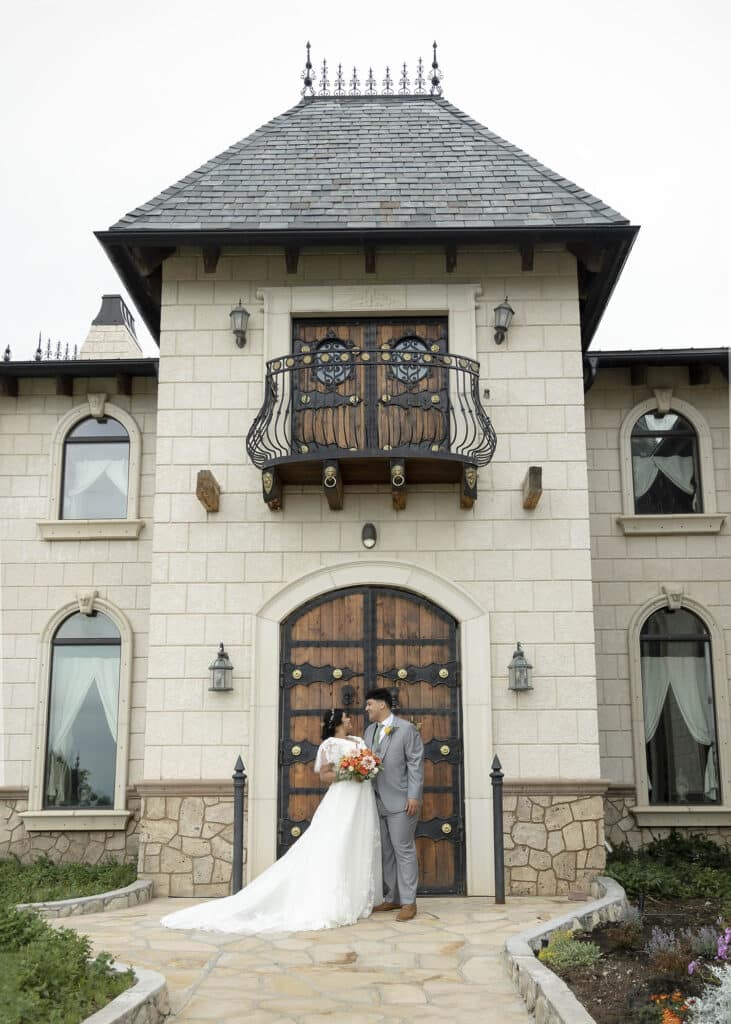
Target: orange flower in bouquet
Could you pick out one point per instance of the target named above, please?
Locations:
(358, 767)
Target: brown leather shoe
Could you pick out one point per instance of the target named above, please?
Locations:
(386, 906)
(407, 912)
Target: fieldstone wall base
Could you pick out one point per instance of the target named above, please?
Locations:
(66, 847)
(553, 844)
(545, 995)
(145, 1003)
(186, 844)
(621, 826)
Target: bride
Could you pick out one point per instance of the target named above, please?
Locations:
(332, 874)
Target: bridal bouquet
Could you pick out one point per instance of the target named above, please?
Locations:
(358, 767)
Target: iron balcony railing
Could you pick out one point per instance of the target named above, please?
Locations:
(365, 403)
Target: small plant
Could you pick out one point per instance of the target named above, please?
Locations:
(715, 1005)
(564, 952)
(672, 1006)
(627, 934)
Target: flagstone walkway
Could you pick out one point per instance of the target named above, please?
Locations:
(445, 964)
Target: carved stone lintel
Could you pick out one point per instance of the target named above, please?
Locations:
(208, 490)
(663, 397)
(532, 486)
(332, 483)
(271, 486)
(674, 594)
(86, 600)
(468, 489)
(398, 484)
(96, 402)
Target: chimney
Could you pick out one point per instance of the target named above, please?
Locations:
(112, 333)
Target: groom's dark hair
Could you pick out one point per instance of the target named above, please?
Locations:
(380, 693)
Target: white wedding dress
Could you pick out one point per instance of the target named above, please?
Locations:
(330, 877)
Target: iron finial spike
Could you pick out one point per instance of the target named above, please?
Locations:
(388, 83)
(355, 83)
(419, 81)
(39, 350)
(404, 81)
(370, 83)
(6, 355)
(340, 82)
(436, 75)
(306, 76)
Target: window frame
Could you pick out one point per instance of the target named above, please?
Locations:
(40, 819)
(56, 528)
(708, 521)
(680, 814)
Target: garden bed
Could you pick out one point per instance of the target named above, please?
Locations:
(43, 881)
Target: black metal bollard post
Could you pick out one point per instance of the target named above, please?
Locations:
(239, 777)
(496, 776)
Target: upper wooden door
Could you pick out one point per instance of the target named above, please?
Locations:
(370, 386)
(336, 648)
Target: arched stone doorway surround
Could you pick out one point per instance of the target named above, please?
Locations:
(476, 704)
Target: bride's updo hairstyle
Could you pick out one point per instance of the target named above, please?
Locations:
(330, 721)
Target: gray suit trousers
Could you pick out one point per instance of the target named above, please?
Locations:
(398, 850)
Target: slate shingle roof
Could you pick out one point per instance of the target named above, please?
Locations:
(371, 163)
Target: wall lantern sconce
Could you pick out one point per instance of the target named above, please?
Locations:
(239, 319)
(369, 536)
(221, 672)
(519, 671)
(503, 316)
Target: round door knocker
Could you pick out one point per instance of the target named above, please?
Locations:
(337, 673)
(296, 750)
(297, 674)
(295, 831)
(444, 749)
(402, 673)
(443, 673)
(446, 828)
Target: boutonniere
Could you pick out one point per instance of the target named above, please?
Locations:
(389, 729)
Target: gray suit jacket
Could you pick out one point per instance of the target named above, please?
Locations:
(401, 777)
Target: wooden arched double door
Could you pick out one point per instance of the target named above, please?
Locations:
(334, 649)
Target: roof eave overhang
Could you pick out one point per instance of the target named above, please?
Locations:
(78, 368)
(125, 247)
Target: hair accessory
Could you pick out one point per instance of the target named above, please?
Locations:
(331, 718)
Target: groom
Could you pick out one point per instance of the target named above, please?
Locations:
(399, 786)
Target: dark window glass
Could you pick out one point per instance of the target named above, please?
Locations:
(665, 471)
(678, 708)
(83, 705)
(95, 471)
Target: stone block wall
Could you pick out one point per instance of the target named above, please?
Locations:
(553, 843)
(187, 843)
(66, 847)
(621, 825)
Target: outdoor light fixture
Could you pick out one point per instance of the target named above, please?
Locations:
(369, 536)
(221, 671)
(503, 316)
(519, 671)
(239, 319)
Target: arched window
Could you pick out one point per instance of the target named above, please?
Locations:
(665, 465)
(679, 709)
(95, 470)
(81, 749)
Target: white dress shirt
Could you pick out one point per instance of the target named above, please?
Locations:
(383, 725)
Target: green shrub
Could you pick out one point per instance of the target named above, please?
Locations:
(644, 874)
(677, 850)
(43, 880)
(564, 952)
(46, 974)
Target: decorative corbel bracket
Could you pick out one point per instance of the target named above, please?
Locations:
(332, 483)
(398, 484)
(532, 486)
(208, 490)
(86, 600)
(468, 488)
(663, 397)
(97, 401)
(271, 487)
(674, 595)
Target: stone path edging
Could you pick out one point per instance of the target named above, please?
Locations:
(544, 993)
(116, 899)
(145, 1003)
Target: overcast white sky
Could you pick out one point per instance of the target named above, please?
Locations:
(103, 104)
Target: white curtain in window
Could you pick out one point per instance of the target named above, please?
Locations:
(83, 474)
(73, 677)
(678, 469)
(690, 681)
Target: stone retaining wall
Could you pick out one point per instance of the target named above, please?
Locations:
(145, 1003)
(116, 899)
(65, 846)
(186, 844)
(553, 844)
(544, 993)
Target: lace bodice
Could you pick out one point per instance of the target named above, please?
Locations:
(333, 749)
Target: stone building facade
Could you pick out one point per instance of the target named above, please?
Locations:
(179, 574)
